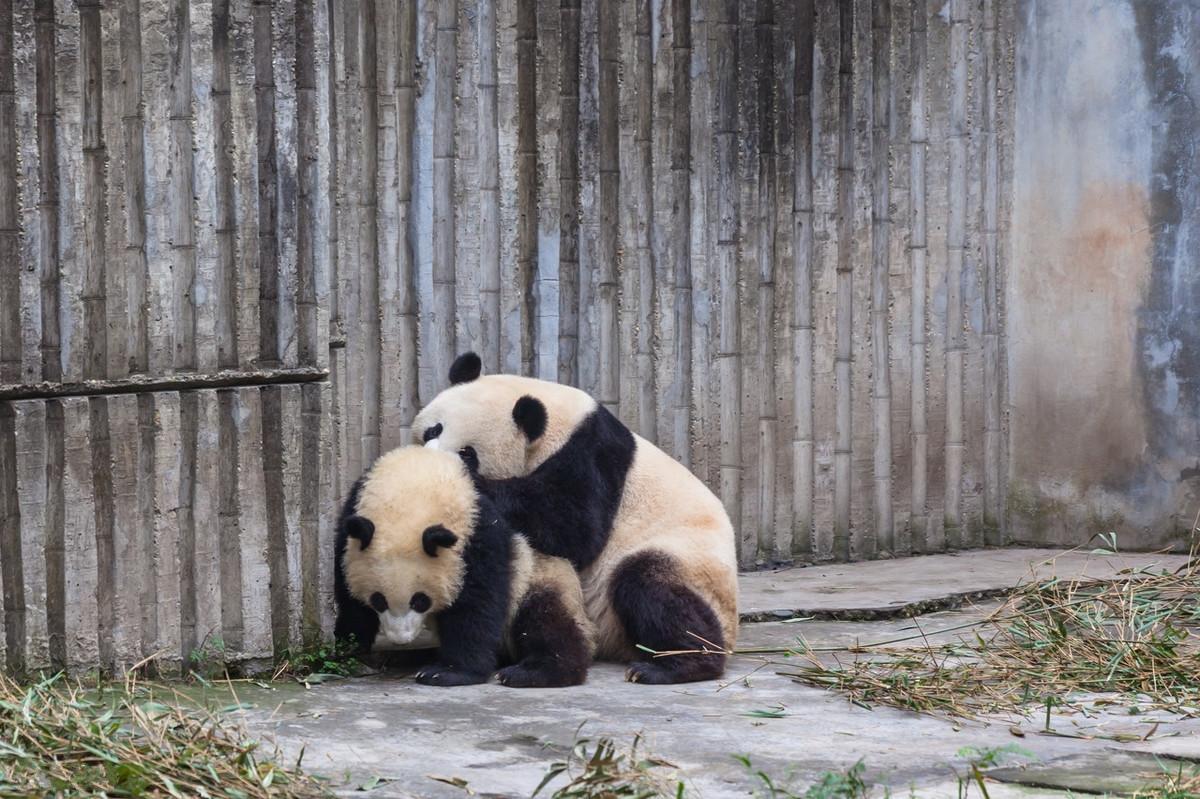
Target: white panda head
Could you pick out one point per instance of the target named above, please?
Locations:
(501, 425)
(416, 512)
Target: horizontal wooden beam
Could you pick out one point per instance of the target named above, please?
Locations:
(180, 381)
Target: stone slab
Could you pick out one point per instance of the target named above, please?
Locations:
(903, 586)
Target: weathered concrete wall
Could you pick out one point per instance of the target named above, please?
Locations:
(1103, 308)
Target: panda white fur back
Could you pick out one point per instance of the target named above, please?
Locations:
(654, 547)
(418, 544)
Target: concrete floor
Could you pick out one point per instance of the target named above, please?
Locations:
(501, 740)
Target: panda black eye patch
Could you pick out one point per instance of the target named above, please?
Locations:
(431, 433)
(420, 602)
(470, 458)
(379, 602)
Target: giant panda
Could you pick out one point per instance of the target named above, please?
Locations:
(653, 546)
(416, 543)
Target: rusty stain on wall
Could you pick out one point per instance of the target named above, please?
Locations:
(1104, 298)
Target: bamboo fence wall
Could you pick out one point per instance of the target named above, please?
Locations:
(241, 242)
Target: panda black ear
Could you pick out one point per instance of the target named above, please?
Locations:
(465, 368)
(530, 415)
(437, 536)
(361, 528)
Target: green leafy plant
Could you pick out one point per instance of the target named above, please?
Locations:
(979, 759)
(320, 659)
(601, 770)
(847, 784)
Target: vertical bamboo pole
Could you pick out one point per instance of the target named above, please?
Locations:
(12, 579)
(724, 72)
(370, 349)
(746, 288)
(643, 189)
(268, 194)
(918, 144)
(881, 380)
(783, 334)
(680, 231)
(181, 205)
(95, 363)
(546, 201)
(407, 370)
(47, 114)
(527, 190)
(802, 301)
(845, 298)
(468, 335)
(955, 254)
(607, 286)
(489, 191)
(391, 236)
(588, 345)
(203, 201)
(310, 351)
(29, 435)
(10, 262)
(29, 242)
(760, 378)
(662, 244)
(226, 204)
(568, 192)
(705, 447)
(993, 436)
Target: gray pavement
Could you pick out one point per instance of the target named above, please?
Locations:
(501, 740)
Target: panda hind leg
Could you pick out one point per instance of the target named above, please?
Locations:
(550, 648)
(662, 614)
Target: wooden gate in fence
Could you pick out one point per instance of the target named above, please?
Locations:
(240, 243)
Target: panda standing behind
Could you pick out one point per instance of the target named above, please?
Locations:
(653, 546)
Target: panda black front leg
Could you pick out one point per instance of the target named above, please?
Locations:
(447, 676)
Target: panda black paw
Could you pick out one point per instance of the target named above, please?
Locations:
(650, 674)
(446, 676)
(520, 675)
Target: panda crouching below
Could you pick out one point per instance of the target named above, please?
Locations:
(417, 544)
